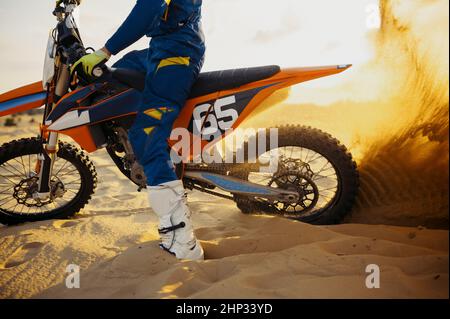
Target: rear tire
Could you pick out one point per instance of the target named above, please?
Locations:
(331, 149)
(84, 167)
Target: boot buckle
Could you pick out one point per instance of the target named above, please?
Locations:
(171, 229)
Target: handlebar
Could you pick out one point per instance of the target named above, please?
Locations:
(68, 2)
(69, 6)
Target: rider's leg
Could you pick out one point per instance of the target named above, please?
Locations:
(135, 60)
(168, 85)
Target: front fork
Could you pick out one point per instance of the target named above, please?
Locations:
(46, 161)
(47, 158)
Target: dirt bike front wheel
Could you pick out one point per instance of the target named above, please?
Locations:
(72, 183)
(312, 163)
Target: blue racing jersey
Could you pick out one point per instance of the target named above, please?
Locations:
(173, 25)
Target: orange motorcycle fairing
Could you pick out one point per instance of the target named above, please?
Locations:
(83, 136)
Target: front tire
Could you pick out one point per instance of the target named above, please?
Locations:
(18, 157)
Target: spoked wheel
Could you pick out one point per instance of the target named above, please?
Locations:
(71, 185)
(314, 165)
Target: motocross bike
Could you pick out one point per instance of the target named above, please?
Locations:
(315, 180)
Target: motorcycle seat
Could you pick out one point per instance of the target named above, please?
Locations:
(208, 82)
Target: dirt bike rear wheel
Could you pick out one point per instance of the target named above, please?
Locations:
(73, 182)
(297, 174)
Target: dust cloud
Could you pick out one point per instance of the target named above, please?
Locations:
(395, 119)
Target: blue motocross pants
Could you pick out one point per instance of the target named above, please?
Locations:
(170, 77)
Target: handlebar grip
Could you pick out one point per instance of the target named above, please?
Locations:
(99, 71)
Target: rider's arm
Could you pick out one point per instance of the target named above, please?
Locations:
(145, 15)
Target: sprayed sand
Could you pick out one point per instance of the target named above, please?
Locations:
(393, 115)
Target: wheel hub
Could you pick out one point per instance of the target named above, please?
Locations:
(301, 183)
(27, 190)
(297, 165)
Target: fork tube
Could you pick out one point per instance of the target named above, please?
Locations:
(44, 175)
(51, 147)
(62, 85)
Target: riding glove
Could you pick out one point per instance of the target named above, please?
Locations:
(91, 61)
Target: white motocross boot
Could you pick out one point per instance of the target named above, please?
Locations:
(175, 228)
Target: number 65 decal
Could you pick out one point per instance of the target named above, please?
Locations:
(220, 119)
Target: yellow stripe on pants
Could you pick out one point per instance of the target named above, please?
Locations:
(174, 61)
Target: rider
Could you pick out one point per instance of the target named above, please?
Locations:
(172, 64)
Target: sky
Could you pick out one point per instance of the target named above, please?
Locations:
(239, 33)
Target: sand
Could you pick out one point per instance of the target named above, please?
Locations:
(114, 242)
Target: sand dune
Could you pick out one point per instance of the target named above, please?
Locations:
(114, 241)
(247, 257)
(275, 259)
